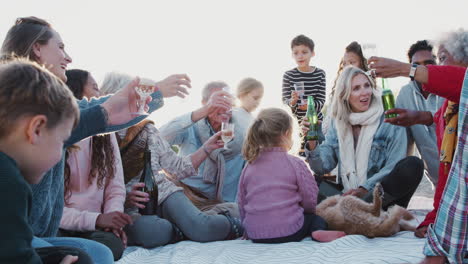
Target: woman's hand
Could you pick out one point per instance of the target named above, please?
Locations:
(214, 142)
(294, 98)
(135, 197)
(388, 68)
(421, 232)
(114, 220)
(358, 192)
(69, 259)
(174, 85)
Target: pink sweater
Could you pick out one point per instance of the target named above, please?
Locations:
(87, 200)
(274, 192)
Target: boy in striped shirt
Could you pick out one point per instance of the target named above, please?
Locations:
(312, 77)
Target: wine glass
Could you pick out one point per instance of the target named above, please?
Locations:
(228, 90)
(227, 132)
(369, 50)
(144, 89)
(299, 88)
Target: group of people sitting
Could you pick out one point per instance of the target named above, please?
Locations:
(72, 153)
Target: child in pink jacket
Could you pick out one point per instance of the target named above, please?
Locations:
(94, 183)
(277, 192)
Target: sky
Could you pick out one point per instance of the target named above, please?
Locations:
(229, 40)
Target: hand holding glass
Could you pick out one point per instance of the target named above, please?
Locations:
(144, 89)
(227, 133)
(299, 87)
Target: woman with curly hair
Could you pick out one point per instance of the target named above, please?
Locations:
(94, 184)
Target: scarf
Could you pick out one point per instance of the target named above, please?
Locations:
(214, 170)
(354, 161)
(132, 149)
(449, 141)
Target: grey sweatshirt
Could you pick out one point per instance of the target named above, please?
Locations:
(410, 97)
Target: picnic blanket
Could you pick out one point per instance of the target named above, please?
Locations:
(401, 248)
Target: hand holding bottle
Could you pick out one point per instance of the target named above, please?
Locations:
(136, 197)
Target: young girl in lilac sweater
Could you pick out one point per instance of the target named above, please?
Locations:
(277, 192)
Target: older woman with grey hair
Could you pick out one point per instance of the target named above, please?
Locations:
(453, 57)
(176, 217)
(365, 149)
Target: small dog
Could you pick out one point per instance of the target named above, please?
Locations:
(355, 216)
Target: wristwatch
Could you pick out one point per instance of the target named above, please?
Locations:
(412, 72)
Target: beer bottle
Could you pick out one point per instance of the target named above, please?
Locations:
(150, 188)
(388, 101)
(312, 118)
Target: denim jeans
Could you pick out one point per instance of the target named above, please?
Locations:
(99, 253)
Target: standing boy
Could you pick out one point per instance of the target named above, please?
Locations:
(312, 77)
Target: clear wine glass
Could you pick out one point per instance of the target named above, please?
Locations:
(299, 88)
(227, 132)
(144, 89)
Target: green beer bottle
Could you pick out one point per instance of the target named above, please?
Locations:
(388, 101)
(312, 118)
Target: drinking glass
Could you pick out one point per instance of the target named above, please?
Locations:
(227, 132)
(299, 88)
(144, 89)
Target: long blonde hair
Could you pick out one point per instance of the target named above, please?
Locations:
(340, 108)
(269, 129)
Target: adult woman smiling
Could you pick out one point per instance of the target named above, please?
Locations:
(366, 149)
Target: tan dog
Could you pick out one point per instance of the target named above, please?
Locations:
(355, 216)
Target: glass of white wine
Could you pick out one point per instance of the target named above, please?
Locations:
(227, 133)
(144, 89)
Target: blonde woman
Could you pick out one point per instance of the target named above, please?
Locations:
(365, 149)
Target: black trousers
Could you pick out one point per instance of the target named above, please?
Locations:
(54, 255)
(107, 238)
(312, 223)
(399, 185)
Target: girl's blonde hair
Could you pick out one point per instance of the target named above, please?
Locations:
(247, 85)
(269, 129)
(340, 108)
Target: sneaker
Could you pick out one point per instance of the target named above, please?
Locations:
(237, 230)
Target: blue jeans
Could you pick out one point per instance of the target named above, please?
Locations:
(98, 252)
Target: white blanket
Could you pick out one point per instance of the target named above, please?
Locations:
(404, 247)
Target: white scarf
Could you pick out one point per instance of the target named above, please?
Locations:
(353, 163)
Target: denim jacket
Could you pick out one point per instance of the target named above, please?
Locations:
(388, 147)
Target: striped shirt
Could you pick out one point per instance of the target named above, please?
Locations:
(314, 85)
(449, 234)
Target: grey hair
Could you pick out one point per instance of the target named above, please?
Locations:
(209, 87)
(340, 108)
(114, 82)
(456, 43)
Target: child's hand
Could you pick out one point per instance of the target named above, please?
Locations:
(120, 234)
(294, 98)
(114, 220)
(302, 107)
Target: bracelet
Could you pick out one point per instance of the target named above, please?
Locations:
(206, 150)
